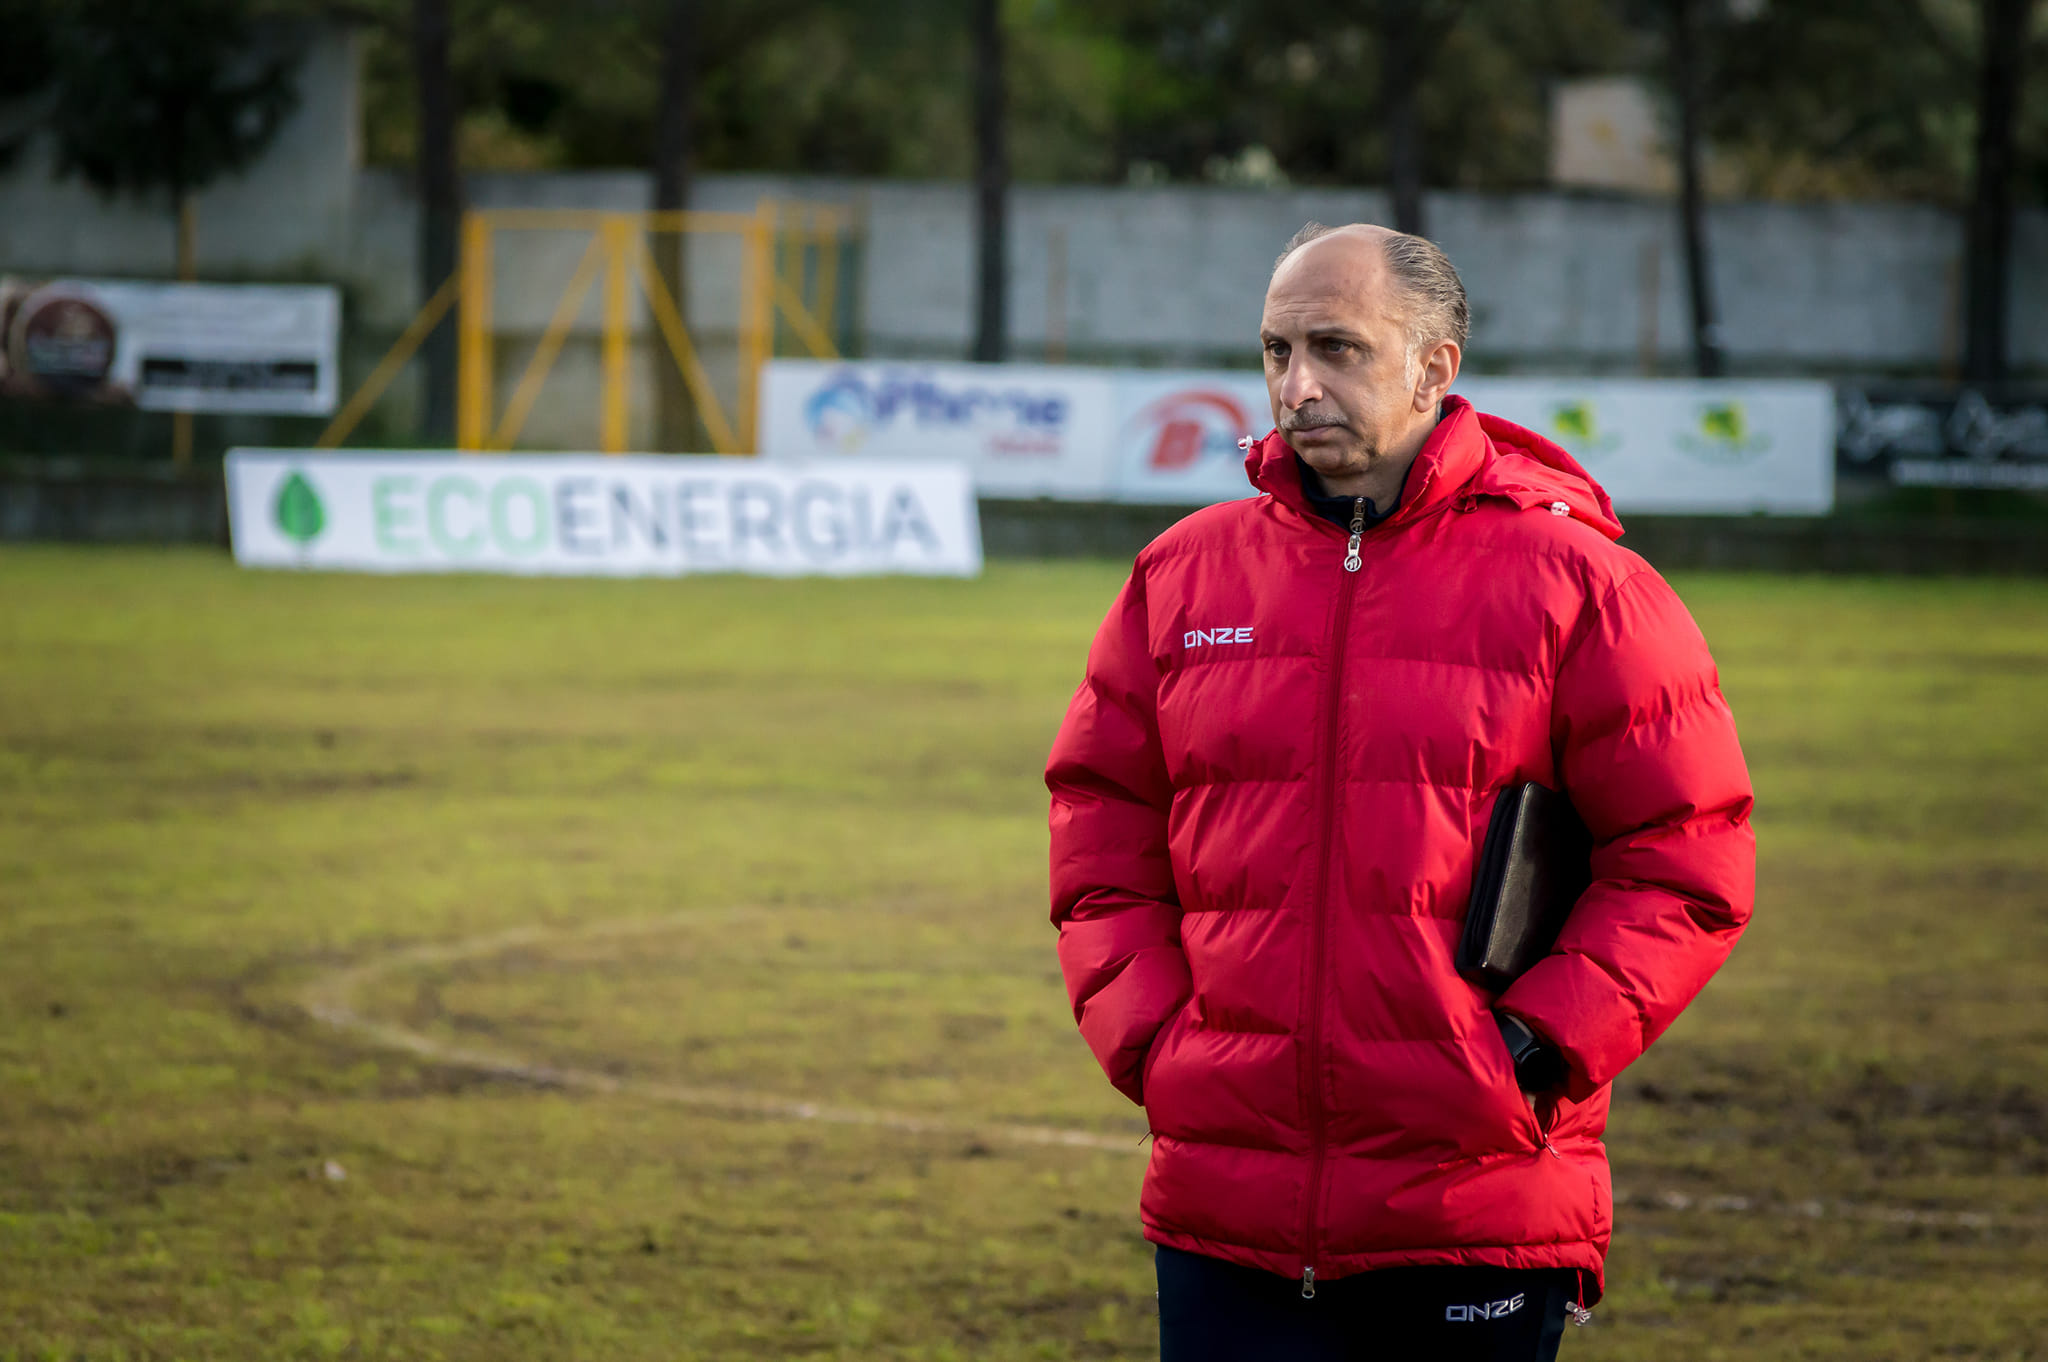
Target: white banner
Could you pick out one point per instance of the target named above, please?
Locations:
(589, 515)
(1177, 433)
(172, 347)
(1683, 446)
(1023, 430)
(1659, 446)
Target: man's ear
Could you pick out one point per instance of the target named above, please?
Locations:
(1439, 369)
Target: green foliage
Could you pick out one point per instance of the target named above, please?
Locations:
(1841, 98)
(153, 97)
(1823, 98)
(25, 60)
(222, 786)
(1304, 81)
(1833, 98)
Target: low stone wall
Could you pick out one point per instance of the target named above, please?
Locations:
(108, 502)
(1835, 544)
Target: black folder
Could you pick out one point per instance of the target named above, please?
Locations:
(1534, 865)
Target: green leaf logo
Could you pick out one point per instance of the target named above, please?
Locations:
(1573, 421)
(1576, 426)
(1725, 422)
(300, 516)
(1722, 435)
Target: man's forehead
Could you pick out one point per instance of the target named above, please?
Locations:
(1343, 272)
(1359, 249)
(1339, 288)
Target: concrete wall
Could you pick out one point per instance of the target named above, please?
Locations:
(1557, 282)
(1176, 274)
(1151, 276)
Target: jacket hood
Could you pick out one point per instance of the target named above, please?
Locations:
(1468, 455)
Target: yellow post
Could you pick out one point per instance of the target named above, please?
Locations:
(567, 309)
(670, 323)
(829, 238)
(387, 368)
(757, 315)
(473, 336)
(618, 232)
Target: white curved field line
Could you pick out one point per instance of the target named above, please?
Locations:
(328, 999)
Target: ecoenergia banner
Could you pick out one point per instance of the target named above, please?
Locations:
(1171, 436)
(598, 516)
(171, 347)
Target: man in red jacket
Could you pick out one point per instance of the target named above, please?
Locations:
(1267, 800)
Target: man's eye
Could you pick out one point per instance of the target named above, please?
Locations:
(1336, 347)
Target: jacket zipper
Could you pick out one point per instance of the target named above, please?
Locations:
(1332, 704)
(1543, 1132)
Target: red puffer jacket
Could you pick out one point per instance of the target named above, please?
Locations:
(1267, 800)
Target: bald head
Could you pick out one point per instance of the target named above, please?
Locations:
(1431, 295)
(1359, 235)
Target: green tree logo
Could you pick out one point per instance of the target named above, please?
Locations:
(1576, 426)
(1723, 435)
(1726, 422)
(300, 516)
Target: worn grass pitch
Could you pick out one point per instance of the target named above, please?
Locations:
(220, 787)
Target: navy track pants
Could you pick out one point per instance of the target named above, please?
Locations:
(1213, 1311)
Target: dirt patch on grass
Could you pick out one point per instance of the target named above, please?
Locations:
(1895, 1126)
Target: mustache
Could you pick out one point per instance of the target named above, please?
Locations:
(1312, 417)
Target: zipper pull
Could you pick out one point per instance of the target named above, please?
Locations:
(1351, 562)
(1542, 1129)
(1308, 1283)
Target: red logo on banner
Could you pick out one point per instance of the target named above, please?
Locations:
(1184, 426)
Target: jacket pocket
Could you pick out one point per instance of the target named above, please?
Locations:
(1152, 1054)
(1498, 1068)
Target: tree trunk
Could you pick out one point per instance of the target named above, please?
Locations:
(992, 184)
(1706, 331)
(1987, 252)
(440, 203)
(188, 236)
(1400, 81)
(188, 270)
(672, 138)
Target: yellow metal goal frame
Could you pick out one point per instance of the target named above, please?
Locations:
(619, 250)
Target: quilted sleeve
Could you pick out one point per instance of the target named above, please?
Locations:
(1113, 897)
(1647, 750)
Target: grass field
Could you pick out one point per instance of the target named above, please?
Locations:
(816, 807)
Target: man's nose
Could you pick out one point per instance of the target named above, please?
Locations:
(1300, 384)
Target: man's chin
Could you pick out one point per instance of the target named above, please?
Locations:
(1335, 455)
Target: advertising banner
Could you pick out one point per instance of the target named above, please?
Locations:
(589, 515)
(1023, 430)
(1947, 439)
(171, 347)
(1682, 446)
(1171, 436)
(1177, 433)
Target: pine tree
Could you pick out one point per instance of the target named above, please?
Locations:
(154, 99)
